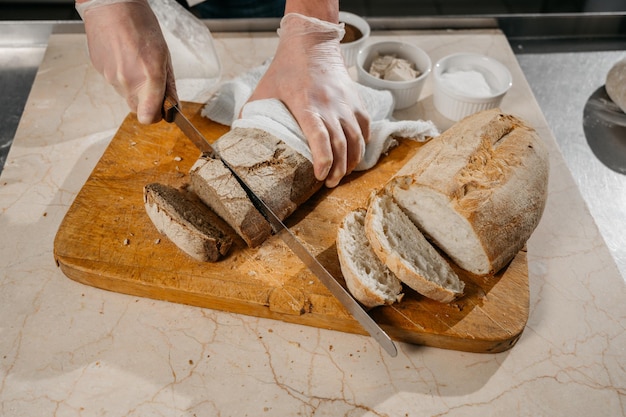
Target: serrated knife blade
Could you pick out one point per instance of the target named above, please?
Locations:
(173, 114)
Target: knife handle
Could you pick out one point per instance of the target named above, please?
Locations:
(169, 103)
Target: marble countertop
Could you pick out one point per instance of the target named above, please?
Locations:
(71, 350)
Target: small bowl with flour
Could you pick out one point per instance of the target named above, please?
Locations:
(400, 67)
(466, 83)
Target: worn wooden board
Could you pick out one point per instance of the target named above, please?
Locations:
(107, 241)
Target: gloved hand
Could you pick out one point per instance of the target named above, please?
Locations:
(309, 76)
(127, 47)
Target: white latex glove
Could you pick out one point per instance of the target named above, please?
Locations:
(127, 47)
(309, 76)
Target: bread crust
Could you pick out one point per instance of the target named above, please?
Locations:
(360, 266)
(217, 188)
(487, 175)
(279, 175)
(419, 266)
(188, 223)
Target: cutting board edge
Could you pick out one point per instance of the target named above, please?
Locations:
(76, 270)
(443, 341)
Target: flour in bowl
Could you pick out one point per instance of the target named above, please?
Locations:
(467, 82)
(391, 68)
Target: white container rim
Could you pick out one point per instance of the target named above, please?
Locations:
(359, 22)
(487, 63)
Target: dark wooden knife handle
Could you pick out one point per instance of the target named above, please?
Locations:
(169, 103)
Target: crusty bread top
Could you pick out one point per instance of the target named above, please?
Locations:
(476, 152)
(281, 176)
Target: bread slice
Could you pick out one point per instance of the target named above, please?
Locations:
(478, 190)
(189, 224)
(367, 278)
(400, 245)
(278, 174)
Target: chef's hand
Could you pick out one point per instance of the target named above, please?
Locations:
(309, 76)
(127, 47)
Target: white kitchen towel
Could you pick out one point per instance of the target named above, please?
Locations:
(272, 116)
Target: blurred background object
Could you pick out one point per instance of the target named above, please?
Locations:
(64, 9)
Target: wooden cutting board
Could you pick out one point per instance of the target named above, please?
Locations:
(106, 240)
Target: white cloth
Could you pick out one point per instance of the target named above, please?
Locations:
(272, 116)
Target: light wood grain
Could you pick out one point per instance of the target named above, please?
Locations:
(106, 240)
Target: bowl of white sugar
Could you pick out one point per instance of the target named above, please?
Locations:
(466, 83)
(400, 67)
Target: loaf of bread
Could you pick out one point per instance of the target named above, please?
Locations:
(368, 279)
(279, 175)
(478, 190)
(476, 193)
(616, 84)
(400, 245)
(187, 222)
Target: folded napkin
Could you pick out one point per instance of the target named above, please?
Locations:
(272, 116)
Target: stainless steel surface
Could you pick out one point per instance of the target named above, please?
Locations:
(562, 83)
(604, 124)
(173, 114)
(21, 50)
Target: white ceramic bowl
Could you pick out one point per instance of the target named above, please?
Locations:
(351, 49)
(405, 93)
(458, 81)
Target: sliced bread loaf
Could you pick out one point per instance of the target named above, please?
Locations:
(278, 174)
(478, 190)
(400, 245)
(188, 223)
(216, 186)
(368, 279)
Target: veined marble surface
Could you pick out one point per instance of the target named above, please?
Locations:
(71, 350)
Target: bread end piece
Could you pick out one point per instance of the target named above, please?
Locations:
(189, 224)
(401, 246)
(367, 278)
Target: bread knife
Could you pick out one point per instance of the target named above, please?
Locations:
(173, 114)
